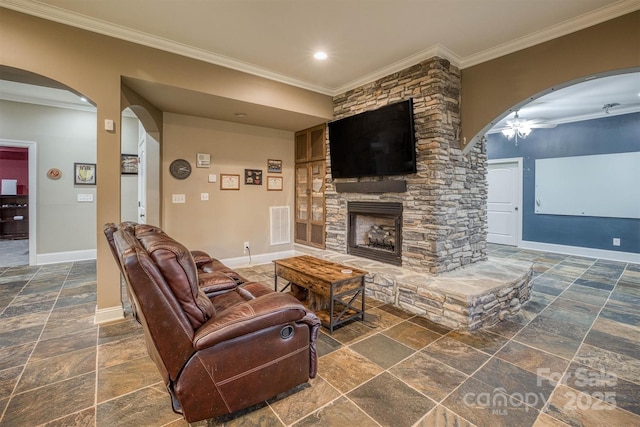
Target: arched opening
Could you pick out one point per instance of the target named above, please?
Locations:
(561, 177)
(57, 126)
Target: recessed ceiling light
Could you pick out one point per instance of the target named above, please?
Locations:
(320, 55)
(240, 114)
(83, 99)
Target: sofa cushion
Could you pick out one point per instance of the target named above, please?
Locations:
(179, 270)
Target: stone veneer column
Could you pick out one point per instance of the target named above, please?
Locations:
(444, 217)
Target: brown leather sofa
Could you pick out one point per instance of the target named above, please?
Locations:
(233, 346)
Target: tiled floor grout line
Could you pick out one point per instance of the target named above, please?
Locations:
(37, 340)
(561, 381)
(505, 333)
(494, 355)
(573, 359)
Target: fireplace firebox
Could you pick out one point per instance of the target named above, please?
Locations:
(375, 231)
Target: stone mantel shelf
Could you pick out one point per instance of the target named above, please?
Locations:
(372, 187)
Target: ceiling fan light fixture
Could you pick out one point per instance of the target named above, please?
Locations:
(517, 129)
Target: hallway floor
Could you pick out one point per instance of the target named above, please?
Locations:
(14, 252)
(570, 357)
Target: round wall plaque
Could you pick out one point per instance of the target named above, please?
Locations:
(180, 169)
(54, 173)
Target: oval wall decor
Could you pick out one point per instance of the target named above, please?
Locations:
(54, 173)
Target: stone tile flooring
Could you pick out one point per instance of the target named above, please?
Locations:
(570, 357)
(14, 252)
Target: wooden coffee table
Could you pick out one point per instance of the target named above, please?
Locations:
(329, 289)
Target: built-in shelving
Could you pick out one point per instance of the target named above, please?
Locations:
(14, 217)
(310, 176)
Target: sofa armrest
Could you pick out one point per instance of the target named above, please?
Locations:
(216, 282)
(242, 319)
(201, 258)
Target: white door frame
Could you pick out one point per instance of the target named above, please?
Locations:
(33, 181)
(517, 160)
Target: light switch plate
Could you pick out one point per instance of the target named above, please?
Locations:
(85, 197)
(213, 177)
(179, 198)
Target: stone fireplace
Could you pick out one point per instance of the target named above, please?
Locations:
(441, 222)
(443, 217)
(375, 231)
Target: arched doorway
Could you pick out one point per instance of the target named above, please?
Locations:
(57, 128)
(592, 121)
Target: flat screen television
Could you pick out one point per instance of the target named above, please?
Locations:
(374, 143)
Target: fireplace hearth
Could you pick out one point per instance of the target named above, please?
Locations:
(375, 231)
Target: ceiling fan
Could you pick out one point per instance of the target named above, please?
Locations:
(521, 128)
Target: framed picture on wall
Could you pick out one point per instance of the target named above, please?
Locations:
(203, 160)
(129, 164)
(84, 174)
(274, 183)
(229, 182)
(274, 166)
(253, 176)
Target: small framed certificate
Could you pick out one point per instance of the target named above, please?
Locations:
(274, 183)
(229, 182)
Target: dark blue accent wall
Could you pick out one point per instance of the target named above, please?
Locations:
(618, 134)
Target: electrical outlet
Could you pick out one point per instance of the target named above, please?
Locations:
(245, 247)
(616, 241)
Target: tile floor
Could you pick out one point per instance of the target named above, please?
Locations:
(14, 252)
(570, 357)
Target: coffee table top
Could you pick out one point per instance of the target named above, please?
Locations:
(325, 270)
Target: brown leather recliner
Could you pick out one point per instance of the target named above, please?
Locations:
(217, 354)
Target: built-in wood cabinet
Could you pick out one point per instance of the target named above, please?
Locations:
(14, 217)
(309, 178)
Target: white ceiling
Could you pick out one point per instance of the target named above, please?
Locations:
(365, 39)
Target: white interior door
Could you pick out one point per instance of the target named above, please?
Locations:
(504, 214)
(142, 175)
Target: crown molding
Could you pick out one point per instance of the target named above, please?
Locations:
(57, 104)
(437, 50)
(59, 15)
(567, 27)
(47, 102)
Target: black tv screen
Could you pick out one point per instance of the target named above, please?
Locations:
(374, 143)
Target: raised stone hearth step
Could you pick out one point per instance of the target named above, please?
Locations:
(472, 297)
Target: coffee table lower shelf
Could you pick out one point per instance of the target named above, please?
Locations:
(344, 310)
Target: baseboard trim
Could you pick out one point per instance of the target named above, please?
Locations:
(243, 261)
(56, 257)
(104, 315)
(579, 251)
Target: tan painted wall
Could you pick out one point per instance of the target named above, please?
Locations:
(229, 217)
(93, 64)
(492, 88)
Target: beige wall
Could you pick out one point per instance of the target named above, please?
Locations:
(492, 88)
(229, 218)
(62, 137)
(93, 65)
